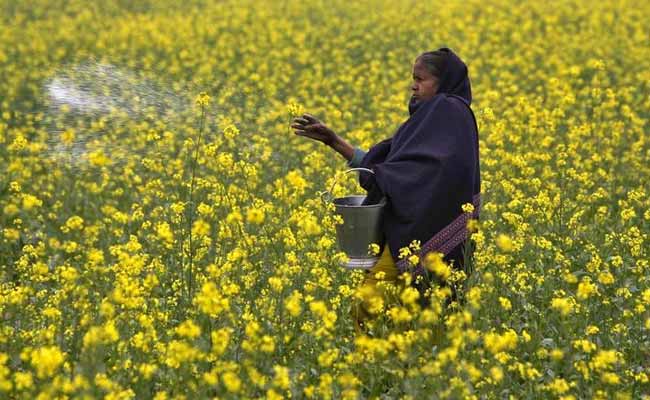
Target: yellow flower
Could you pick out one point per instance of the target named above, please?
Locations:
(496, 373)
(293, 303)
(104, 334)
(15, 187)
(505, 303)
(474, 297)
(11, 234)
(562, 304)
(400, 314)
(46, 361)
(496, 343)
(68, 137)
(606, 278)
(309, 391)
(328, 318)
(295, 109)
(31, 201)
(164, 232)
(325, 385)
(267, 344)
(348, 380)
(645, 296)
(210, 300)
(161, 396)
(255, 216)
(434, 262)
(584, 345)
(273, 395)
(415, 245)
(203, 99)
(569, 277)
(473, 225)
(409, 295)
(200, 228)
(177, 207)
(179, 352)
(256, 377)
(373, 249)
(404, 252)
(147, 370)
(326, 358)
(557, 354)
(11, 209)
(468, 208)
(586, 289)
(276, 284)
(231, 381)
(310, 226)
(220, 339)
(98, 158)
(205, 210)
(504, 243)
(188, 329)
(74, 223)
(281, 380)
(559, 386)
(23, 380)
(610, 378)
(230, 131)
(604, 359)
(414, 259)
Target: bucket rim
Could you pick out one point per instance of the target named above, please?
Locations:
(381, 203)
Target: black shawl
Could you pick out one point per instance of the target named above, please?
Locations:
(429, 168)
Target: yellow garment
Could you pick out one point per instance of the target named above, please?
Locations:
(379, 290)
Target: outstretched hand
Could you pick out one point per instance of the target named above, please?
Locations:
(309, 126)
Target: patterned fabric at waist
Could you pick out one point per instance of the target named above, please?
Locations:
(447, 238)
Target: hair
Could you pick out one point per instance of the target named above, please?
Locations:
(434, 62)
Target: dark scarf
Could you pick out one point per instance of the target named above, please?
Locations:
(429, 169)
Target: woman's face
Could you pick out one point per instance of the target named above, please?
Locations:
(425, 85)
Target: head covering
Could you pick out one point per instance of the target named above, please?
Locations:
(454, 79)
(429, 168)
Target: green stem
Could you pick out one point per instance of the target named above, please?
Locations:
(190, 272)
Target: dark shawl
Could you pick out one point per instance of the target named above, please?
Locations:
(430, 167)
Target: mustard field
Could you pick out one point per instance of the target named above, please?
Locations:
(162, 233)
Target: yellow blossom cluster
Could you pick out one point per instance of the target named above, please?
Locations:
(162, 233)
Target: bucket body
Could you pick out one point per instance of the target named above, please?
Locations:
(361, 227)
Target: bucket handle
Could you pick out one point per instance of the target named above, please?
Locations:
(329, 199)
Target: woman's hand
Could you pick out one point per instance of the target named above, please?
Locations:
(309, 126)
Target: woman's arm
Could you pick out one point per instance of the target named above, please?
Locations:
(342, 147)
(355, 162)
(309, 126)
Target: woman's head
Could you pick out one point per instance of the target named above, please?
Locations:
(440, 71)
(428, 70)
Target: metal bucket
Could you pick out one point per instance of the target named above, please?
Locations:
(361, 227)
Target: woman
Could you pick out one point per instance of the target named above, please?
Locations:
(427, 170)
